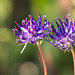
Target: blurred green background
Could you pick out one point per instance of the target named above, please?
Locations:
(29, 62)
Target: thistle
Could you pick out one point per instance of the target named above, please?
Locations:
(31, 31)
(64, 35)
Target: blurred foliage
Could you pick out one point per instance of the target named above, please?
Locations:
(11, 61)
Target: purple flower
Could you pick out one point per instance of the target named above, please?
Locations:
(31, 31)
(63, 36)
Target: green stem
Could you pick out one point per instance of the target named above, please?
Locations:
(73, 54)
(42, 57)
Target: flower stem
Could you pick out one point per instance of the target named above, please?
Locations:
(42, 57)
(73, 54)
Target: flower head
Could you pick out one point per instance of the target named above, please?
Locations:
(64, 35)
(31, 31)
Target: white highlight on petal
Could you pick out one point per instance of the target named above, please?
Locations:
(13, 29)
(66, 30)
(31, 29)
(70, 31)
(40, 31)
(47, 25)
(69, 17)
(23, 29)
(29, 15)
(23, 48)
(30, 22)
(45, 22)
(44, 16)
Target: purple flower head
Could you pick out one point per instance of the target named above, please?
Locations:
(31, 31)
(64, 35)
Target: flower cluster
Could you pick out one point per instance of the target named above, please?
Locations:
(31, 31)
(64, 35)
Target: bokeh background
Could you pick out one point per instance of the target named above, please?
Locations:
(29, 62)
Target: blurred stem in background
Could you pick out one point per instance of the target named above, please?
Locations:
(73, 54)
(42, 57)
(72, 50)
